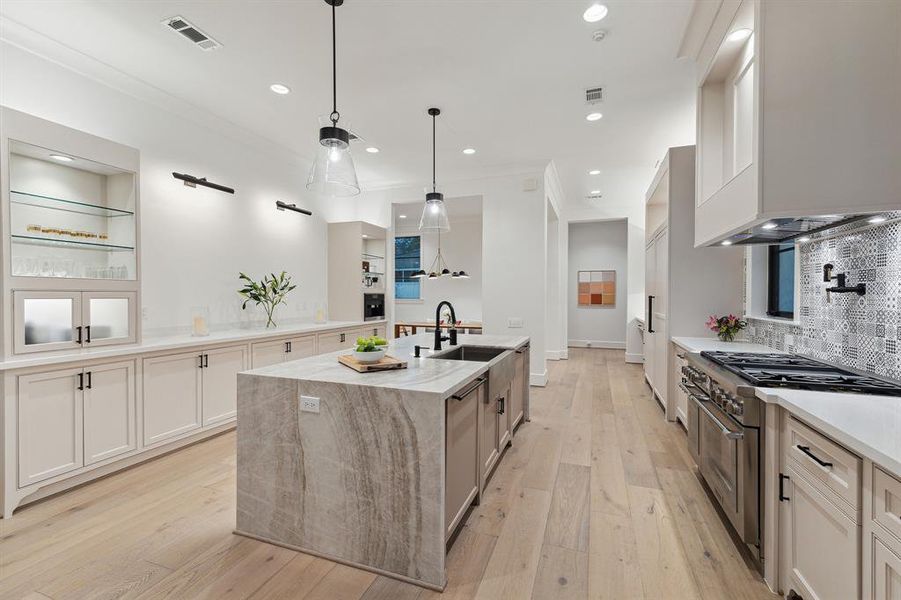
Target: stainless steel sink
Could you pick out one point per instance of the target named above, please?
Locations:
(470, 353)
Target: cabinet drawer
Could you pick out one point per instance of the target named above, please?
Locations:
(829, 466)
(333, 341)
(886, 575)
(887, 501)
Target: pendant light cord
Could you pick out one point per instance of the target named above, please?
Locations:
(433, 153)
(335, 115)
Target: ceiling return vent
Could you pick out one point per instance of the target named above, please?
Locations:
(186, 29)
(594, 95)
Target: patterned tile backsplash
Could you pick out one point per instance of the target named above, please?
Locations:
(861, 332)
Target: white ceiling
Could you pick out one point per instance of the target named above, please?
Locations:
(508, 75)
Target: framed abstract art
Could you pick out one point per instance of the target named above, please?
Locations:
(597, 288)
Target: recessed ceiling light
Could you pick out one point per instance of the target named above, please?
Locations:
(595, 13)
(804, 239)
(726, 242)
(61, 157)
(593, 116)
(372, 150)
(594, 192)
(876, 220)
(401, 216)
(594, 172)
(280, 88)
(469, 150)
(769, 226)
(739, 35)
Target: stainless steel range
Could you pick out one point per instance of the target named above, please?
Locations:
(725, 418)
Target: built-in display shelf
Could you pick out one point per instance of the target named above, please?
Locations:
(373, 256)
(49, 202)
(57, 243)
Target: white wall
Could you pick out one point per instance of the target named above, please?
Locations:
(194, 241)
(462, 249)
(555, 326)
(514, 232)
(598, 246)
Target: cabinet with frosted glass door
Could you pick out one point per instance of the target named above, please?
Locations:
(70, 236)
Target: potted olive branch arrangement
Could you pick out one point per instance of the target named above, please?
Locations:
(269, 292)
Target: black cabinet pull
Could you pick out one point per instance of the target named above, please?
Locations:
(815, 458)
(78, 331)
(200, 356)
(81, 381)
(470, 389)
(87, 332)
(88, 386)
(206, 360)
(342, 336)
(651, 314)
(782, 496)
(500, 405)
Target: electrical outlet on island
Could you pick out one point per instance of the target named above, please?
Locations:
(309, 404)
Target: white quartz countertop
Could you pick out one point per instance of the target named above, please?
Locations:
(700, 344)
(176, 342)
(424, 374)
(867, 425)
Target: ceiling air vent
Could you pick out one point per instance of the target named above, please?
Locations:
(594, 95)
(193, 34)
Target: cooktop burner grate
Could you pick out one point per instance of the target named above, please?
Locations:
(798, 372)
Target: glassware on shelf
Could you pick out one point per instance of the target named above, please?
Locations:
(321, 312)
(200, 319)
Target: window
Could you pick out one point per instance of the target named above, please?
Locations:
(781, 281)
(407, 259)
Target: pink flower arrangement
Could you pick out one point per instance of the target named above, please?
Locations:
(725, 327)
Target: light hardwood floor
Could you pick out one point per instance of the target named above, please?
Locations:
(597, 498)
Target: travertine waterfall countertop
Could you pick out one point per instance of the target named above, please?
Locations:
(424, 374)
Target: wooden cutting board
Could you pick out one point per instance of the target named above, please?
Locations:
(386, 363)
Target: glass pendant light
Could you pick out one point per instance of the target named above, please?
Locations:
(434, 213)
(333, 172)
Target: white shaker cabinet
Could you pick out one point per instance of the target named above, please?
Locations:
(219, 386)
(172, 395)
(49, 425)
(797, 112)
(342, 339)
(109, 411)
(264, 354)
(886, 575)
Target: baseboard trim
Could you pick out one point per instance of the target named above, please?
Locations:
(538, 379)
(634, 358)
(554, 354)
(597, 344)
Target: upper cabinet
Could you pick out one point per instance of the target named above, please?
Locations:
(797, 114)
(70, 224)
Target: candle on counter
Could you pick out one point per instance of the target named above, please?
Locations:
(199, 320)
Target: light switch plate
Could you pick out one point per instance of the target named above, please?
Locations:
(309, 404)
(514, 322)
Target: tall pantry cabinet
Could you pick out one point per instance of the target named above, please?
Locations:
(683, 284)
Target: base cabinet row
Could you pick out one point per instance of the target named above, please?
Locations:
(71, 420)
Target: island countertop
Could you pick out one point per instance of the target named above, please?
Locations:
(425, 374)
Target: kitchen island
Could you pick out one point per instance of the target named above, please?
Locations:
(377, 470)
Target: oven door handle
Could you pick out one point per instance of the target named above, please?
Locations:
(727, 433)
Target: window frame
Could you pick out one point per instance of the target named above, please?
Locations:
(418, 298)
(773, 280)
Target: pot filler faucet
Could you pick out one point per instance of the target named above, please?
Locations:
(842, 288)
(452, 330)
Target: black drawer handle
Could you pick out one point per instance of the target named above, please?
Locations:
(78, 331)
(81, 381)
(501, 402)
(89, 384)
(782, 496)
(468, 390)
(87, 331)
(814, 457)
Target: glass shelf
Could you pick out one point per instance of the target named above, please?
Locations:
(376, 256)
(66, 205)
(57, 243)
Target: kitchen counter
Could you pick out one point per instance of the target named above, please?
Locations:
(441, 377)
(699, 344)
(868, 425)
(175, 342)
(351, 466)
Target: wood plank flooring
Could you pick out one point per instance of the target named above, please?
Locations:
(597, 498)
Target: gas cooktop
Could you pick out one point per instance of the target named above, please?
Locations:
(798, 372)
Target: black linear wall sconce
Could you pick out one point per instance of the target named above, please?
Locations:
(282, 206)
(192, 181)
